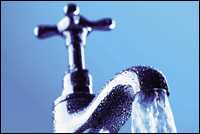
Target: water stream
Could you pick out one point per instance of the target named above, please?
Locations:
(151, 113)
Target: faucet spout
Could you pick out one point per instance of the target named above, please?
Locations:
(108, 111)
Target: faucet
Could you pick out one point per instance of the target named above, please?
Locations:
(78, 109)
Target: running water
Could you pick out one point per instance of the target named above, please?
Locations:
(151, 113)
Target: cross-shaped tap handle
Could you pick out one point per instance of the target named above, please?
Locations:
(73, 22)
(75, 29)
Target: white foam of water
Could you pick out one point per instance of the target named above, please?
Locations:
(152, 116)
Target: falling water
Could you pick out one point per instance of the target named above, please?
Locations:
(151, 113)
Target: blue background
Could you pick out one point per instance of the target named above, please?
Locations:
(161, 34)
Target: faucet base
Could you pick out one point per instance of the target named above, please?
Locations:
(76, 102)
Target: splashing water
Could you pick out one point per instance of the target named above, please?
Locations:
(151, 113)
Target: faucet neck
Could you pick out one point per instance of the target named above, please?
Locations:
(80, 79)
(75, 42)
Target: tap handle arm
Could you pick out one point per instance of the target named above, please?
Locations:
(45, 31)
(105, 24)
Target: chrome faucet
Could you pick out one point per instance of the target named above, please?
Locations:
(78, 110)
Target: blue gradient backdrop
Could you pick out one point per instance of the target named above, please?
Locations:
(164, 35)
